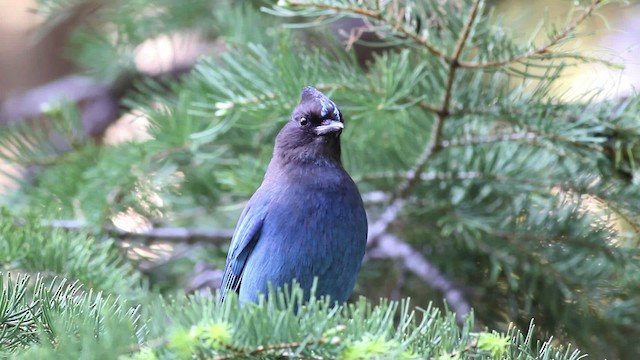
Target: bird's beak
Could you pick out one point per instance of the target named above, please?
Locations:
(329, 127)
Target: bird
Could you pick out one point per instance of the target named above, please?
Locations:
(307, 220)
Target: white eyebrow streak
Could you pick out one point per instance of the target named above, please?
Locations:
(323, 111)
(325, 105)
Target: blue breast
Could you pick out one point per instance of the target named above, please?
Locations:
(310, 230)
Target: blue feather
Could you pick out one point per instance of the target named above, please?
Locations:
(244, 239)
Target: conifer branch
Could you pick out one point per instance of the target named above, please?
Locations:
(374, 15)
(100, 103)
(378, 197)
(489, 139)
(632, 221)
(239, 353)
(543, 49)
(165, 234)
(434, 145)
(412, 259)
(378, 15)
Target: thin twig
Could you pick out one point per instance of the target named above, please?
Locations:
(375, 15)
(454, 64)
(379, 196)
(263, 349)
(541, 49)
(489, 139)
(456, 353)
(559, 138)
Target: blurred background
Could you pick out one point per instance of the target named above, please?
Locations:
(33, 55)
(27, 59)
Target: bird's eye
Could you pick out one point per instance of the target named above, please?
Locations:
(303, 121)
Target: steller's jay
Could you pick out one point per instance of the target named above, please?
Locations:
(307, 218)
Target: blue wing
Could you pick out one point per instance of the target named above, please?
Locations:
(244, 240)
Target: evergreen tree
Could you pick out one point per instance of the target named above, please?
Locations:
(483, 188)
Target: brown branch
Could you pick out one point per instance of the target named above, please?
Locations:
(434, 144)
(467, 175)
(383, 244)
(428, 107)
(456, 353)
(239, 353)
(390, 247)
(166, 234)
(377, 197)
(99, 103)
(423, 42)
(453, 67)
(489, 139)
(375, 15)
(443, 112)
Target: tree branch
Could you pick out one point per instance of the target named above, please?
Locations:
(99, 103)
(433, 146)
(166, 234)
(543, 48)
(271, 348)
(378, 15)
(374, 15)
(377, 197)
(489, 139)
(390, 247)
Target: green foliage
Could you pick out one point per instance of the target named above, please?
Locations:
(495, 344)
(43, 318)
(26, 144)
(59, 321)
(523, 199)
(27, 246)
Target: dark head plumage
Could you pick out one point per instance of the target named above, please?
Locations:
(312, 134)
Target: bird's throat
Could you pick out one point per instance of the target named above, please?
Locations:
(321, 154)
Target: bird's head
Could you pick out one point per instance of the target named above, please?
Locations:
(313, 132)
